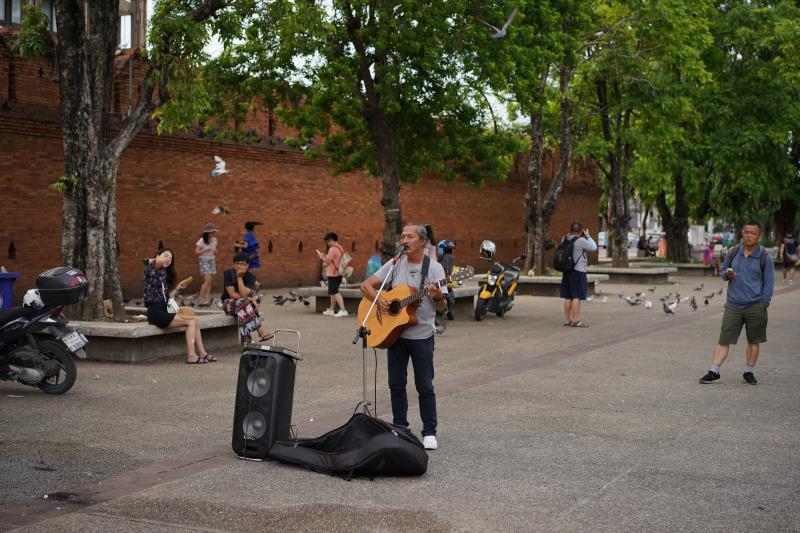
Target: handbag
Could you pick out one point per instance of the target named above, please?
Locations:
(172, 305)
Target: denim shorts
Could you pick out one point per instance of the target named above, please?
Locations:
(753, 318)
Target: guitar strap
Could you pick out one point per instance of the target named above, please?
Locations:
(426, 261)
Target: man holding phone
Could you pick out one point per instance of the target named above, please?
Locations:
(750, 274)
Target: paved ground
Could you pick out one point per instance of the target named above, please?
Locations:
(542, 428)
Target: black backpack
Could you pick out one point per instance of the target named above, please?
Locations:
(563, 261)
(364, 446)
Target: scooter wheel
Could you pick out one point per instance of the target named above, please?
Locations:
(64, 379)
(480, 310)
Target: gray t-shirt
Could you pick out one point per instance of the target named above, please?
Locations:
(409, 274)
(579, 249)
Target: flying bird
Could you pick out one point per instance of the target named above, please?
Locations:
(219, 167)
(633, 300)
(220, 210)
(499, 33)
(670, 309)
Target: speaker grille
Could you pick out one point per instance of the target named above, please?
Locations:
(254, 425)
(258, 382)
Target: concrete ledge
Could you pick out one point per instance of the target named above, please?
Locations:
(465, 299)
(551, 285)
(654, 275)
(686, 269)
(134, 342)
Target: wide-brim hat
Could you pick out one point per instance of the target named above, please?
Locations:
(187, 312)
(209, 228)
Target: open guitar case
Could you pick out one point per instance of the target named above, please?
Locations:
(364, 446)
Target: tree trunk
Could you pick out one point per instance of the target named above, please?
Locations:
(540, 212)
(676, 225)
(617, 163)
(86, 48)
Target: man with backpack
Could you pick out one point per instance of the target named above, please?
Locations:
(571, 261)
(750, 273)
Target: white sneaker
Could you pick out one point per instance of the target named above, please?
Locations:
(328, 312)
(341, 312)
(429, 442)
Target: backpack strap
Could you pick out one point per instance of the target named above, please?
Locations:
(762, 259)
(341, 250)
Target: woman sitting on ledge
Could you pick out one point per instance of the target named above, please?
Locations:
(159, 275)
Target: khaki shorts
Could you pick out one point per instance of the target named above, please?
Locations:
(754, 318)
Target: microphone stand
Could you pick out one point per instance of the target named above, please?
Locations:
(363, 333)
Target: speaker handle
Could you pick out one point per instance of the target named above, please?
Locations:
(295, 354)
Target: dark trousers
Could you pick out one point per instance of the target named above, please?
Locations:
(421, 354)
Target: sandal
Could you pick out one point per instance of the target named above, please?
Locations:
(579, 324)
(198, 361)
(266, 338)
(567, 324)
(210, 358)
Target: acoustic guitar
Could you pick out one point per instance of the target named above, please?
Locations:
(385, 327)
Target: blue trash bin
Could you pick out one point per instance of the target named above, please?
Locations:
(7, 280)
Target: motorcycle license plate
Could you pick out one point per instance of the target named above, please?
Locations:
(75, 340)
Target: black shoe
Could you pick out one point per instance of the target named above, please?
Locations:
(710, 377)
(748, 377)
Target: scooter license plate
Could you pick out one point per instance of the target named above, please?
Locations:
(75, 340)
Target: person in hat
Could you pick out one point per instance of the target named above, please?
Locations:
(206, 251)
(248, 244)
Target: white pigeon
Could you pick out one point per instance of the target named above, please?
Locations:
(220, 209)
(499, 33)
(648, 304)
(605, 299)
(219, 168)
(670, 309)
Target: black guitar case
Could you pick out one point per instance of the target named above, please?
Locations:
(364, 446)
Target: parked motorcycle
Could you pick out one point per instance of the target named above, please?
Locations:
(27, 354)
(496, 293)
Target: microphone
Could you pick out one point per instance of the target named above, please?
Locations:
(398, 253)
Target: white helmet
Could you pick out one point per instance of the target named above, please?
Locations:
(32, 299)
(488, 249)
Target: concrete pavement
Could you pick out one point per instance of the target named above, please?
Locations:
(541, 428)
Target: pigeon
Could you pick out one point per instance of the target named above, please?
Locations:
(652, 289)
(699, 287)
(220, 210)
(305, 301)
(219, 168)
(669, 309)
(705, 301)
(719, 291)
(693, 304)
(279, 300)
(648, 304)
(499, 33)
(633, 300)
(709, 296)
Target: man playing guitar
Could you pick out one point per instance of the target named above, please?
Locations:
(416, 340)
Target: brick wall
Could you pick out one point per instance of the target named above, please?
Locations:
(165, 193)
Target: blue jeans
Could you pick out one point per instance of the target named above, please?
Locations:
(421, 354)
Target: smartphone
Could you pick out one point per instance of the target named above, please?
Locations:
(187, 280)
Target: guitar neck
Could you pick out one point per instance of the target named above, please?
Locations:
(419, 295)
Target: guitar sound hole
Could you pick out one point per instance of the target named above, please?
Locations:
(394, 307)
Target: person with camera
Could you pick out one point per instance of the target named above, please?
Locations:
(573, 283)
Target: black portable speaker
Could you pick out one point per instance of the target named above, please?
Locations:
(264, 394)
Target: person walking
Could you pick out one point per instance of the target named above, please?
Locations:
(249, 244)
(206, 251)
(573, 283)
(788, 253)
(331, 260)
(750, 274)
(417, 270)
